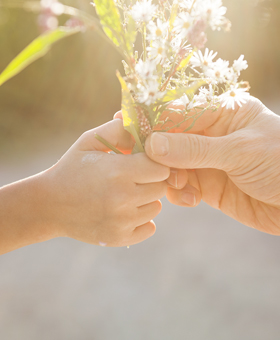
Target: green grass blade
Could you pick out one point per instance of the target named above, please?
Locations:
(107, 144)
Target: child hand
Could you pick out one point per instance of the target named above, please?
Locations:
(101, 198)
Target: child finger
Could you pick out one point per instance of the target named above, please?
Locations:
(142, 170)
(113, 132)
(142, 232)
(151, 192)
(147, 212)
(118, 115)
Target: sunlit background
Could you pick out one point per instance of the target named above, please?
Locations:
(202, 276)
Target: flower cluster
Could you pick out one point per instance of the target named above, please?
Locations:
(174, 71)
(172, 79)
(50, 10)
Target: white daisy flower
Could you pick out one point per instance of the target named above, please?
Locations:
(204, 61)
(213, 11)
(234, 95)
(232, 76)
(240, 64)
(143, 11)
(149, 93)
(146, 69)
(176, 43)
(183, 101)
(157, 31)
(186, 4)
(219, 71)
(183, 24)
(197, 101)
(157, 51)
(209, 94)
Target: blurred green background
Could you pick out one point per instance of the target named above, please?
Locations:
(74, 87)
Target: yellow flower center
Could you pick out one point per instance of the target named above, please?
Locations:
(158, 32)
(233, 94)
(187, 25)
(205, 63)
(218, 74)
(160, 50)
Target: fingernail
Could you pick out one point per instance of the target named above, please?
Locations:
(173, 178)
(159, 144)
(189, 199)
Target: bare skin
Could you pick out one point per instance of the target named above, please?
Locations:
(236, 157)
(89, 195)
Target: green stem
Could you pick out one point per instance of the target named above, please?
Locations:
(107, 144)
(173, 70)
(144, 42)
(194, 118)
(192, 6)
(136, 137)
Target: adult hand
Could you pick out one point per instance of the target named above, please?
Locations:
(236, 157)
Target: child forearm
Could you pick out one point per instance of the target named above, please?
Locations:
(23, 220)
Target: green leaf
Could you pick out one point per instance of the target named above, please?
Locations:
(179, 92)
(35, 50)
(185, 62)
(110, 20)
(130, 121)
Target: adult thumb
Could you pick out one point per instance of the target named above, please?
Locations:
(189, 151)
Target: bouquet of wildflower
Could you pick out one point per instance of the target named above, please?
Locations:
(171, 82)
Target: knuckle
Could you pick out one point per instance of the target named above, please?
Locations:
(195, 149)
(86, 135)
(163, 189)
(115, 173)
(122, 219)
(160, 190)
(187, 147)
(255, 102)
(246, 148)
(242, 142)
